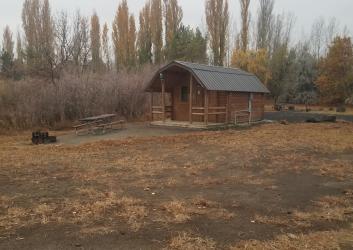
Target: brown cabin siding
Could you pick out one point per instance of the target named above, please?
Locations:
(237, 102)
(258, 108)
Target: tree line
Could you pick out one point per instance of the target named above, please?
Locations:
(47, 44)
(56, 46)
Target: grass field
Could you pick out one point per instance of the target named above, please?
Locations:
(269, 187)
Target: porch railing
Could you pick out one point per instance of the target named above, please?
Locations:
(202, 111)
(159, 109)
(242, 116)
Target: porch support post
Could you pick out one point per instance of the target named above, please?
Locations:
(190, 100)
(163, 99)
(151, 110)
(206, 107)
(227, 108)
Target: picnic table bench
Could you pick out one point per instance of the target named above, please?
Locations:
(87, 125)
(101, 122)
(110, 125)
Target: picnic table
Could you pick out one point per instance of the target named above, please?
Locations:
(100, 122)
(104, 118)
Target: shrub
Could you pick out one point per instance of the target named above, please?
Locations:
(39, 102)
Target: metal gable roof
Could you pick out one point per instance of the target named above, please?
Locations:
(223, 79)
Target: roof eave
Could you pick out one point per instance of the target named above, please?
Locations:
(169, 65)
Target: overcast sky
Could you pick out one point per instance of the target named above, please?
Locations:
(306, 11)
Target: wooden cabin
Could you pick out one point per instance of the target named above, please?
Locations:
(194, 95)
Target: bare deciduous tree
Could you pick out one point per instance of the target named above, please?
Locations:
(63, 40)
(264, 23)
(8, 43)
(318, 37)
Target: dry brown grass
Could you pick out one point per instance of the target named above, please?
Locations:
(86, 213)
(129, 209)
(329, 208)
(178, 211)
(185, 241)
(311, 241)
(181, 211)
(105, 187)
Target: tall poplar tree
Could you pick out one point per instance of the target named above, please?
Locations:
(157, 30)
(95, 42)
(173, 15)
(120, 35)
(106, 47)
(217, 19)
(245, 23)
(38, 27)
(132, 43)
(264, 24)
(144, 41)
(7, 53)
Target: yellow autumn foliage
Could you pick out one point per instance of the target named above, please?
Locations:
(255, 62)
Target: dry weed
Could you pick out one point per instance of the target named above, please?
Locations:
(178, 210)
(15, 217)
(312, 241)
(185, 241)
(44, 211)
(181, 212)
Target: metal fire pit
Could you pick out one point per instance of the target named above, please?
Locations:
(42, 138)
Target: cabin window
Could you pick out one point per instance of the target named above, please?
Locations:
(184, 94)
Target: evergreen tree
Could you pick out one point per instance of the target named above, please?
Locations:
(7, 53)
(189, 45)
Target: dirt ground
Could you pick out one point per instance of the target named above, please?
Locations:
(269, 187)
(131, 130)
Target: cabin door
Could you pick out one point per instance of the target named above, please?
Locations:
(181, 103)
(198, 102)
